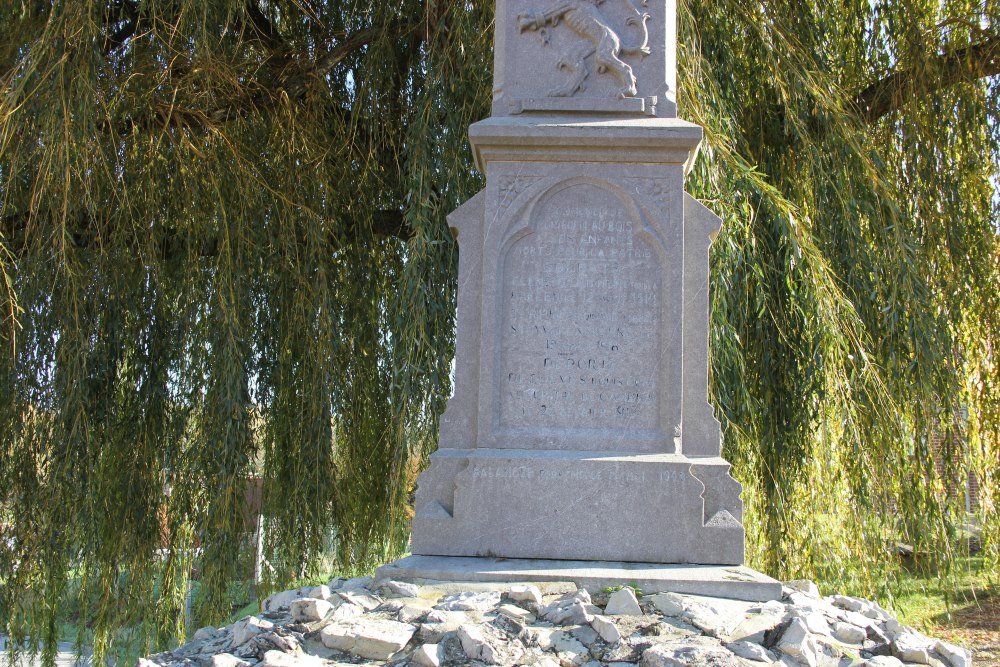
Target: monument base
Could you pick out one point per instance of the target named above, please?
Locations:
(734, 582)
(573, 505)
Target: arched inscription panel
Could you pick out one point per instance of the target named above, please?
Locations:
(580, 319)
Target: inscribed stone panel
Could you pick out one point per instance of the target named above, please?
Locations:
(580, 319)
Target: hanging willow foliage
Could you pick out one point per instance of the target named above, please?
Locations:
(225, 257)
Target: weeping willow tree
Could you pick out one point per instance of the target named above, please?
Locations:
(225, 257)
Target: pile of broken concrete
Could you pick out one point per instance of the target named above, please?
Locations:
(364, 622)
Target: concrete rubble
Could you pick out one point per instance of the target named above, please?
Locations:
(364, 622)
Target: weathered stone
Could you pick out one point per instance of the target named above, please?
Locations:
(282, 600)
(876, 635)
(684, 654)
(476, 646)
(798, 643)
(849, 633)
(884, 661)
(206, 634)
(218, 645)
(606, 628)
(469, 601)
(247, 628)
(713, 618)
(227, 660)
(360, 597)
(310, 610)
(573, 614)
(804, 586)
(816, 623)
(751, 651)
(428, 655)
(321, 592)
(401, 589)
(440, 623)
(189, 650)
(346, 612)
(412, 613)
(368, 638)
(953, 655)
(850, 603)
(756, 626)
(525, 593)
(623, 603)
(669, 604)
(282, 659)
(912, 647)
(586, 635)
(258, 645)
(516, 613)
(569, 648)
(362, 584)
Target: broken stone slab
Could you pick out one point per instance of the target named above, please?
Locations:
(281, 659)
(377, 639)
(437, 624)
(797, 642)
(953, 655)
(469, 601)
(360, 597)
(310, 610)
(400, 589)
(227, 660)
(525, 593)
(623, 603)
(690, 653)
(363, 584)
(849, 633)
(516, 613)
(413, 611)
(804, 586)
(428, 655)
(476, 646)
(668, 604)
(751, 651)
(606, 628)
(247, 628)
(206, 634)
(913, 647)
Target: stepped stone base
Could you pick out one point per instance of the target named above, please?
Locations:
(734, 582)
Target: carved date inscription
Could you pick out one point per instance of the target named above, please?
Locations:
(581, 318)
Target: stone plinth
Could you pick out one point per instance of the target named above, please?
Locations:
(734, 582)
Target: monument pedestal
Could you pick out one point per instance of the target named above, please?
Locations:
(544, 504)
(580, 428)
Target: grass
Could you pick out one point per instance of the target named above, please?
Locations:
(962, 607)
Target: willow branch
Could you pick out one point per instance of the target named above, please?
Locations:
(20, 232)
(894, 91)
(294, 86)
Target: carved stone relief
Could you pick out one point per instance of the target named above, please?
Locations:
(600, 42)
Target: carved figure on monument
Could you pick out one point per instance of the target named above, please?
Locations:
(584, 17)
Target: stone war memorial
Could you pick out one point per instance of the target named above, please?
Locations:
(579, 443)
